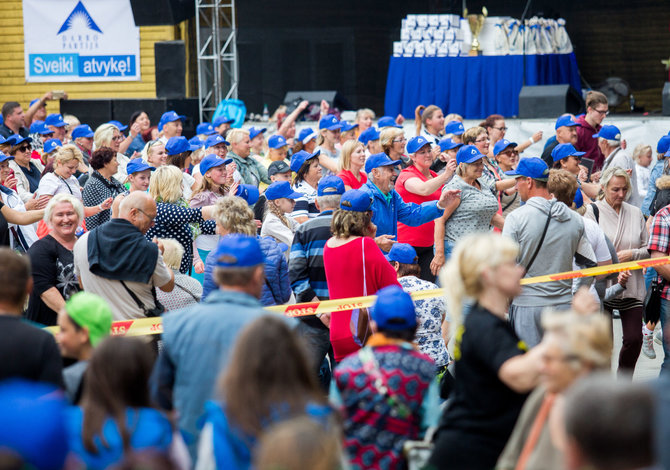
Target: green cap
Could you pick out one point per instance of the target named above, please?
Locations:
(90, 311)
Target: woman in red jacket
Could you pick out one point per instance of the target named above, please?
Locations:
(354, 264)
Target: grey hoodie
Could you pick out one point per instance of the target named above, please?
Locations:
(564, 239)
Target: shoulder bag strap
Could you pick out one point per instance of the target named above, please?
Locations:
(365, 284)
(191, 293)
(544, 234)
(596, 212)
(135, 298)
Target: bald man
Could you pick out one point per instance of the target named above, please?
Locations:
(117, 262)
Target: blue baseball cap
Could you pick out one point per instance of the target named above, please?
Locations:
(531, 167)
(330, 122)
(377, 160)
(566, 121)
(356, 200)
(280, 166)
(253, 132)
(330, 185)
(82, 130)
(448, 144)
(52, 144)
(468, 154)
(280, 189)
(562, 151)
(4, 156)
(248, 192)
(169, 116)
(501, 145)
(608, 132)
(32, 102)
(211, 161)
(44, 130)
(238, 251)
(177, 145)
(222, 120)
(118, 125)
(306, 135)
(196, 142)
(34, 417)
(454, 127)
(387, 121)
(136, 165)
(215, 139)
(37, 126)
(205, 128)
(402, 253)
(393, 309)
(277, 141)
(16, 139)
(298, 159)
(416, 143)
(347, 127)
(579, 199)
(663, 144)
(55, 120)
(368, 135)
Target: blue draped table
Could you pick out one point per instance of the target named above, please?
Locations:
(473, 87)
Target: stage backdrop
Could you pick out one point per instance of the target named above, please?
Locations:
(80, 41)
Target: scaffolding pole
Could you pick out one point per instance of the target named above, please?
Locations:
(218, 72)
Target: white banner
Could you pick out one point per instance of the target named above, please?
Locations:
(80, 41)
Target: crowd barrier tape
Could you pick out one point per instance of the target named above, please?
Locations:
(154, 326)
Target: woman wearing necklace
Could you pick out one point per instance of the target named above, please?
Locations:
(101, 185)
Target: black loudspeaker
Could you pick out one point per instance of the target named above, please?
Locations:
(161, 12)
(170, 57)
(334, 99)
(187, 107)
(666, 99)
(123, 108)
(549, 101)
(91, 112)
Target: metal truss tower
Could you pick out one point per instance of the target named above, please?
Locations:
(218, 71)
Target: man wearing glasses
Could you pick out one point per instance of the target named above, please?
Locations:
(590, 123)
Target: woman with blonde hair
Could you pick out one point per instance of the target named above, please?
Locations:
(174, 219)
(642, 155)
(494, 369)
(352, 162)
(574, 345)
(364, 118)
(393, 141)
(52, 260)
(108, 135)
(625, 226)
(154, 153)
(62, 180)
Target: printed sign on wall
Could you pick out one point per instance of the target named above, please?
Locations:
(80, 41)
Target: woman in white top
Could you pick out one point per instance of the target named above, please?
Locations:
(329, 137)
(277, 223)
(62, 180)
(154, 153)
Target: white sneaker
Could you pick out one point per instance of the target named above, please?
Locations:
(648, 343)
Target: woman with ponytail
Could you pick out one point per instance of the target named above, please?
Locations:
(495, 372)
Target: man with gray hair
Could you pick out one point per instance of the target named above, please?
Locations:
(305, 269)
(609, 143)
(117, 262)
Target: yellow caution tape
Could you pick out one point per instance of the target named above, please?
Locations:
(154, 326)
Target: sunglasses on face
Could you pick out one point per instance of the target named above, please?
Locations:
(23, 148)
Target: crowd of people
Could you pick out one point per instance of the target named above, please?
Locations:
(102, 227)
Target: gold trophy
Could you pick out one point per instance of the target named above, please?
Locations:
(476, 23)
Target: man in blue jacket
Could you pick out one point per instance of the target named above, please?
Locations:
(388, 208)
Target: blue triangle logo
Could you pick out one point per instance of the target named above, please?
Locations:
(79, 13)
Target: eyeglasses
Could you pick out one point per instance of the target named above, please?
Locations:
(509, 153)
(485, 139)
(398, 141)
(602, 113)
(501, 129)
(151, 219)
(118, 137)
